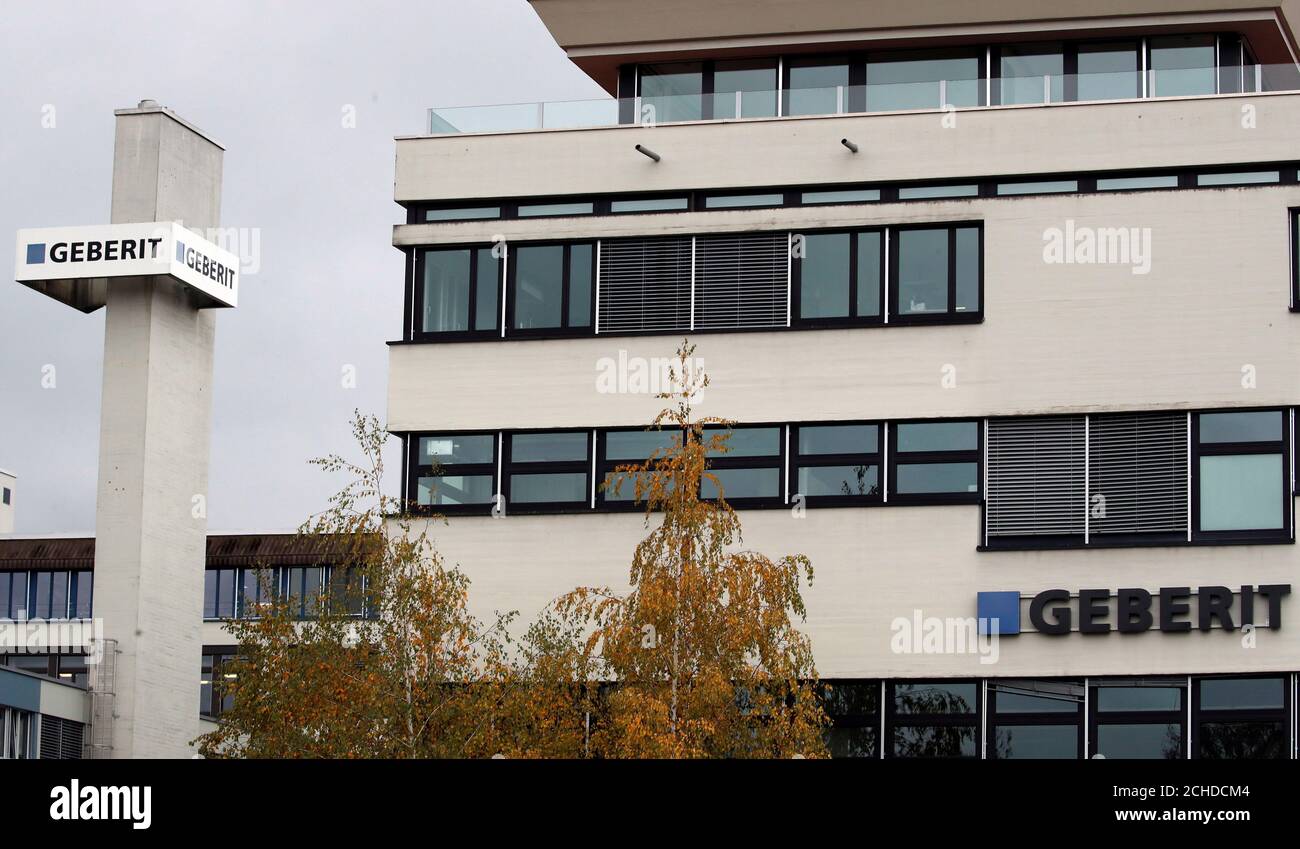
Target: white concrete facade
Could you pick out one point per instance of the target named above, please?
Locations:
(1054, 339)
(151, 519)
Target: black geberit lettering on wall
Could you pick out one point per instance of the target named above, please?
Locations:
(1093, 611)
(1134, 612)
(1060, 623)
(1052, 611)
(1170, 607)
(1274, 593)
(1214, 603)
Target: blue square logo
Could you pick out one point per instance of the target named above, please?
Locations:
(180, 251)
(36, 254)
(999, 613)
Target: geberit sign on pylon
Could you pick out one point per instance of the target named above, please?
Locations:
(101, 252)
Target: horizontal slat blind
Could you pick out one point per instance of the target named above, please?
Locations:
(1137, 473)
(742, 280)
(1035, 476)
(645, 284)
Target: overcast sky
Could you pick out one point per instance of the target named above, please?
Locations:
(270, 82)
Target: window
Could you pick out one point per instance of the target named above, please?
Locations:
(1030, 73)
(219, 593)
(1107, 71)
(854, 709)
(749, 471)
(1181, 66)
(627, 448)
(744, 88)
(1242, 486)
(35, 664)
(840, 196)
(216, 669)
(540, 210)
(936, 273)
(302, 590)
(1241, 718)
(50, 594)
(652, 204)
(1238, 178)
(936, 192)
(453, 472)
(934, 462)
(551, 288)
(932, 719)
(924, 80)
(258, 587)
(1122, 479)
(13, 595)
(7, 496)
(645, 285)
(836, 464)
(83, 590)
(17, 738)
(1036, 719)
(1295, 259)
(347, 591)
(1137, 476)
(72, 669)
(1138, 719)
(548, 470)
(1156, 181)
(817, 87)
(457, 292)
(742, 281)
(1038, 187)
(743, 201)
(462, 213)
(839, 278)
(674, 91)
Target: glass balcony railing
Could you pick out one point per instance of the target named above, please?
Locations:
(884, 96)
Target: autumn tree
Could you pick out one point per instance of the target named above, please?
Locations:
(702, 657)
(389, 665)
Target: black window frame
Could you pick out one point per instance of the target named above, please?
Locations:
(418, 257)
(951, 315)
(565, 330)
(853, 319)
(236, 590)
(895, 720)
(978, 52)
(853, 720)
(1098, 717)
(1293, 248)
(730, 461)
(975, 455)
(996, 719)
(1281, 716)
(799, 461)
(1286, 534)
(301, 601)
(511, 467)
(416, 470)
(605, 468)
(216, 700)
